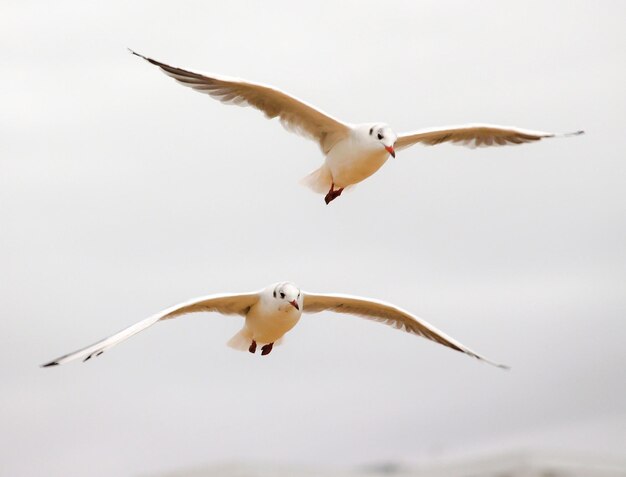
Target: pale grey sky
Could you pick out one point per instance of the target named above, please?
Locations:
(123, 193)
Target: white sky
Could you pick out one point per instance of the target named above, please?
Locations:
(122, 193)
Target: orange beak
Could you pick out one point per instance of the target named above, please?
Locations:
(294, 303)
(391, 151)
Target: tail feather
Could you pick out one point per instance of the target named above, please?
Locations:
(319, 180)
(241, 340)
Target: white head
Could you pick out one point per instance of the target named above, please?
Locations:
(287, 296)
(382, 135)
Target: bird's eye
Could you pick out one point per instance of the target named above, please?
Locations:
(380, 136)
(371, 130)
(282, 295)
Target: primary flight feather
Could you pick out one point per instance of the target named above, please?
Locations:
(353, 152)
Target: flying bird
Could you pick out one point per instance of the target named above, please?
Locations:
(272, 312)
(353, 152)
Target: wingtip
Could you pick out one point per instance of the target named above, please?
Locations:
(137, 54)
(570, 134)
(492, 363)
(48, 365)
(575, 133)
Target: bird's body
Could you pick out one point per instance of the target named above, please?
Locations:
(271, 313)
(350, 161)
(268, 321)
(352, 152)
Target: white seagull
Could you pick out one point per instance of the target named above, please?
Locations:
(272, 312)
(353, 152)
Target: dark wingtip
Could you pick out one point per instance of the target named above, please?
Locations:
(497, 365)
(137, 54)
(575, 133)
(47, 365)
(149, 60)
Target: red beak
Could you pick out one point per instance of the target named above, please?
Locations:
(294, 303)
(391, 151)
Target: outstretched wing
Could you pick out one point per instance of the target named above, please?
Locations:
(294, 114)
(474, 135)
(226, 304)
(385, 313)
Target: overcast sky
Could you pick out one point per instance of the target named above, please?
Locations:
(122, 193)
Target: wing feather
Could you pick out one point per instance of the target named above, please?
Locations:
(474, 135)
(385, 313)
(295, 115)
(230, 304)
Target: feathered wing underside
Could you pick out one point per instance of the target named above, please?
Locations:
(474, 135)
(232, 304)
(387, 314)
(294, 114)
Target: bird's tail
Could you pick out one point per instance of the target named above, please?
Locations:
(241, 341)
(319, 180)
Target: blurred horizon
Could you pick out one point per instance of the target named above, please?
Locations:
(514, 464)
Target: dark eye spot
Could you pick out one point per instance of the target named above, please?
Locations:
(371, 130)
(380, 136)
(274, 293)
(282, 295)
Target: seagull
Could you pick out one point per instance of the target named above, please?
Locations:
(272, 312)
(353, 152)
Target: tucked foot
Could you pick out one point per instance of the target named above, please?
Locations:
(332, 194)
(252, 347)
(267, 349)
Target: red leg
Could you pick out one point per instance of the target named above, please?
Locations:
(332, 194)
(252, 347)
(267, 349)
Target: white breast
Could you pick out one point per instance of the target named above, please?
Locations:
(268, 323)
(351, 161)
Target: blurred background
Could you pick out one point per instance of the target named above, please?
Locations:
(122, 193)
